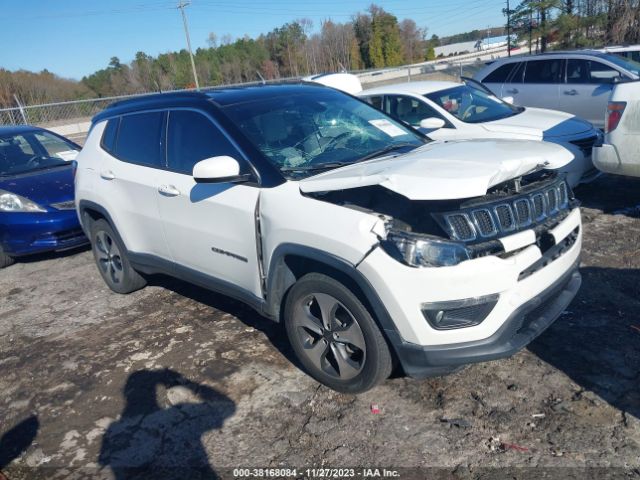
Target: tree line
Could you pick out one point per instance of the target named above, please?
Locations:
(576, 23)
(372, 39)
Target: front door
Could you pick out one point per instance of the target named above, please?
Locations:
(210, 228)
(587, 89)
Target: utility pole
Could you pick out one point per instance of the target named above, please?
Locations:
(530, 29)
(508, 30)
(181, 6)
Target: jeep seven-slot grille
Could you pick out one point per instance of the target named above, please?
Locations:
(501, 217)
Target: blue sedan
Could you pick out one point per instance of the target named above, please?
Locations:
(37, 210)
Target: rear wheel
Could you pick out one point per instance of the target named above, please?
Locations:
(112, 261)
(334, 336)
(5, 260)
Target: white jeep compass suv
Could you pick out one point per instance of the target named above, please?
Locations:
(375, 246)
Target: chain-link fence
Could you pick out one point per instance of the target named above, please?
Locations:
(56, 114)
(73, 118)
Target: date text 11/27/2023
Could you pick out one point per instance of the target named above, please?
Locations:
(337, 473)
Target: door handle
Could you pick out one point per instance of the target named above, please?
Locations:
(107, 175)
(571, 92)
(168, 190)
(513, 90)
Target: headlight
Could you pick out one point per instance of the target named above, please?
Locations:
(10, 202)
(425, 251)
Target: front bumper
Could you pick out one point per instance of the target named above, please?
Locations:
(29, 233)
(521, 328)
(607, 159)
(522, 279)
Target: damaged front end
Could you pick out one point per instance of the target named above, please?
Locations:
(440, 233)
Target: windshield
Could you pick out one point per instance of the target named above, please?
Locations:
(309, 131)
(37, 150)
(626, 63)
(472, 105)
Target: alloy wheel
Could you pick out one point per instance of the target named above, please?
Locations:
(330, 336)
(109, 258)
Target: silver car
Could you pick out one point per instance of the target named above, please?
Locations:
(574, 82)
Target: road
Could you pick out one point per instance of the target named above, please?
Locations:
(92, 381)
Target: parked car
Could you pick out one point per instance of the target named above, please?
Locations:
(37, 210)
(370, 242)
(630, 52)
(452, 111)
(574, 82)
(619, 153)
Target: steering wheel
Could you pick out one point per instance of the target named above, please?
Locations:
(33, 161)
(335, 140)
(468, 111)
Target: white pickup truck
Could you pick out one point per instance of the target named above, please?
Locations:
(620, 152)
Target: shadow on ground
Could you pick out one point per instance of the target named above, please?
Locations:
(15, 441)
(597, 341)
(612, 194)
(40, 257)
(274, 331)
(158, 435)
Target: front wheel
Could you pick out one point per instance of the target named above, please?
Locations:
(5, 260)
(334, 336)
(112, 261)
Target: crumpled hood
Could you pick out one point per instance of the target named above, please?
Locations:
(445, 170)
(539, 123)
(44, 187)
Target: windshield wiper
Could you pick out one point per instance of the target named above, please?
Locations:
(387, 149)
(313, 168)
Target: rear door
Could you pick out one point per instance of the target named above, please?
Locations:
(210, 227)
(541, 83)
(587, 89)
(127, 179)
(497, 79)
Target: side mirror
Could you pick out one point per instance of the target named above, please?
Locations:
(432, 123)
(508, 100)
(222, 169)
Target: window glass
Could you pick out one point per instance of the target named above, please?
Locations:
(139, 139)
(577, 71)
(517, 73)
(375, 101)
(601, 73)
(193, 137)
(26, 148)
(500, 74)
(56, 147)
(409, 109)
(308, 131)
(626, 63)
(472, 105)
(543, 71)
(33, 151)
(109, 135)
(589, 71)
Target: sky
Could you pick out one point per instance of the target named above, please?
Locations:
(73, 38)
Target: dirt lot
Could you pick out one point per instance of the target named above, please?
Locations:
(91, 382)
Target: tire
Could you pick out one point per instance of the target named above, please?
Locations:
(334, 336)
(112, 261)
(5, 260)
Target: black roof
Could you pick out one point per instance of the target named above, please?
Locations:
(220, 97)
(16, 129)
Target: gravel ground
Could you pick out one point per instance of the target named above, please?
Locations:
(92, 382)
